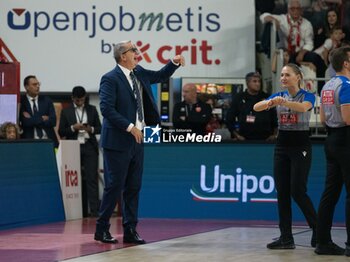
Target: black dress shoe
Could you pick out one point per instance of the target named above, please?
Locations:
(282, 243)
(131, 236)
(105, 237)
(347, 250)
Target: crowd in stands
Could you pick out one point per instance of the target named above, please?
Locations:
(307, 29)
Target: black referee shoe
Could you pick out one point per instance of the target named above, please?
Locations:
(282, 243)
(347, 250)
(329, 249)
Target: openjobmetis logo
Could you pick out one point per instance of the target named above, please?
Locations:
(17, 23)
(233, 188)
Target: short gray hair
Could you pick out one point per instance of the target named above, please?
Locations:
(119, 49)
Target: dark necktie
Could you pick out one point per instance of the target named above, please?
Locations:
(39, 131)
(138, 96)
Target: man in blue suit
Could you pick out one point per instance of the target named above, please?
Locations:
(127, 105)
(37, 114)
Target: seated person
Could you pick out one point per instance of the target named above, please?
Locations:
(334, 41)
(243, 122)
(322, 32)
(191, 113)
(296, 35)
(9, 130)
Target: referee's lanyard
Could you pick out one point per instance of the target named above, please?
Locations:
(82, 135)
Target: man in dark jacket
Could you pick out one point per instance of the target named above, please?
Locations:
(191, 114)
(80, 121)
(37, 115)
(243, 122)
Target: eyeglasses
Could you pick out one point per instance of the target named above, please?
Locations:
(133, 49)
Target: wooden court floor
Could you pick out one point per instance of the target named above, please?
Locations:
(229, 244)
(168, 240)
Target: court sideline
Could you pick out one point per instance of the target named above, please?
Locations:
(230, 244)
(168, 240)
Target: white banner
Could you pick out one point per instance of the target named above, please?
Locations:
(67, 43)
(69, 170)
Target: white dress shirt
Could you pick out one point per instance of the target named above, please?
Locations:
(306, 31)
(30, 99)
(140, 125)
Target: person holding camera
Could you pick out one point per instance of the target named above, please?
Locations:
(80, 121)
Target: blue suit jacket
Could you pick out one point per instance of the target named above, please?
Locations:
(118, 104)
(28, 124)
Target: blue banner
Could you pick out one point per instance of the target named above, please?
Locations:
(30, 190)
(220, 181)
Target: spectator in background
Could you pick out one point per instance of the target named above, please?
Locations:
(37, 115)
(318, 11)
(296, 35)
(335, 41)
(80, 121)
(243, 122)
(9, 131)
(336, 36)
(323, 32)
(191, 114)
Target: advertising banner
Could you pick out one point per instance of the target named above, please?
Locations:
(66, 43)
(221, 181)
(68, 164)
